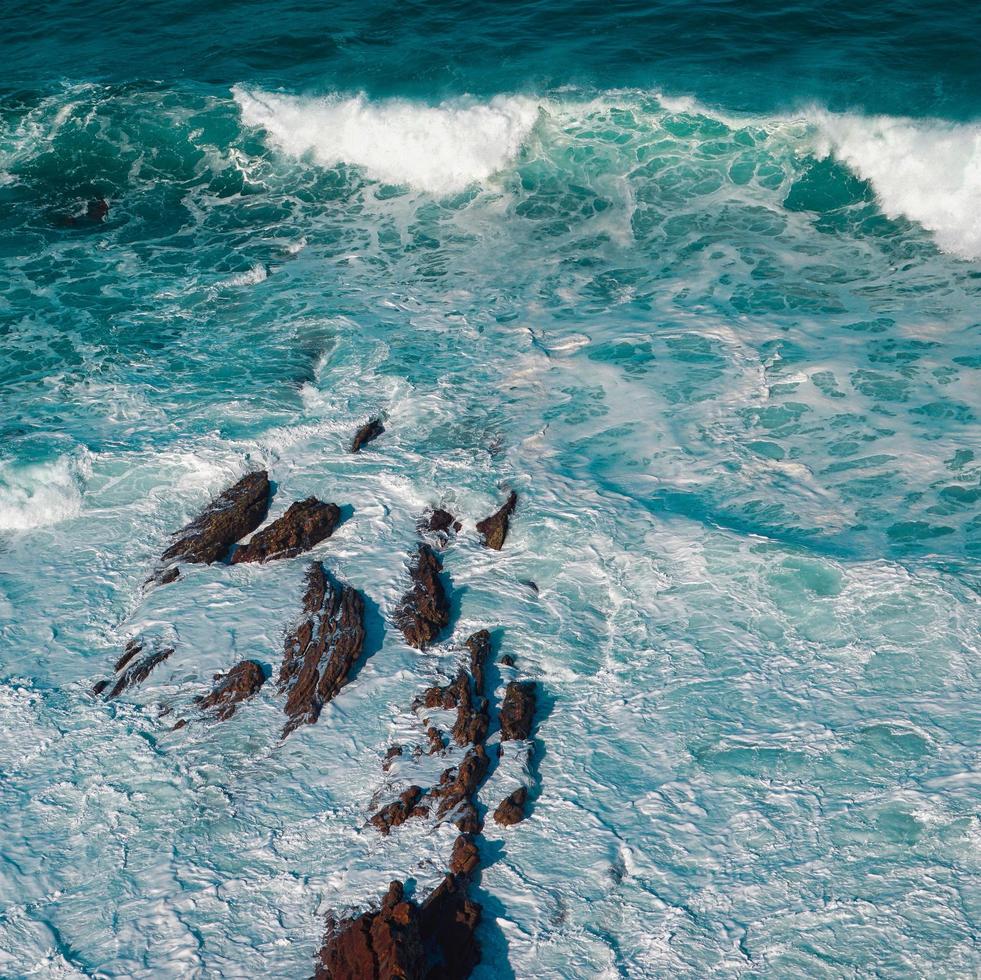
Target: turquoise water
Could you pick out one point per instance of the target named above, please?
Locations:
(701, 283)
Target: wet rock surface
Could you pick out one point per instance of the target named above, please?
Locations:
(305, 524)
(425, 609)
(236, 512)
(367, 433)
(320, 652)
(518, 710)
(511, 809)
(495, 528)
(132, 668)
(479, 645)
(395, 814)
(242, 682)
(457, 789)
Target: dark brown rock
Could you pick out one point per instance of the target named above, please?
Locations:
(306, 523)
(444, 696)
(465, 858)
(391, 755)
(395, 814)
(132, 670)
(457, 787)
(436, 743)
(424, 610)
(511, 809)
(442, 520)
(229, 517)
(242, 682)
(321, 651)
(507, 660)
(518, 710)
(472, 719)
(367, 433)
(132, 649)
(495, 528)
(479, 646)
(448, 921)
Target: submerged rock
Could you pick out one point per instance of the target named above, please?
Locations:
(242, 682)
(132, 669)
(367, 433)
(322, 649)
(424, 610)
(306, 523)
(495, 528)
(238, 511)
(511, 809)
(518, 710)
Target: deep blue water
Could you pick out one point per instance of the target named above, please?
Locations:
(700, 281)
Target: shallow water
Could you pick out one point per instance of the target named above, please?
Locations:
(711, 308)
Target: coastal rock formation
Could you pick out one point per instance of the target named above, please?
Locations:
(238, 511)
(424, 609)
(321, 651)
(445, 696)
(306, 523)
(479, 645)
(511, 809)
(132, 669)
(517, 710)
(395, 814)
(495, 528)
(472, 718)
(457, 790)
(242, 682)
(367, 433)
(442, 520)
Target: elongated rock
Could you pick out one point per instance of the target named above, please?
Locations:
(479, 645)
(132, 669)
(495, 528)
(306, 523)
(424, 609)
(367, 433)
(238, 511)
(242, 682)
(321, 651)
(518, 710)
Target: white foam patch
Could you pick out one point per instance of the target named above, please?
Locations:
(40, 494)
(927, 170)
(440, 149)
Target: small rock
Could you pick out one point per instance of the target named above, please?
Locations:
(395, 814)
(479, 646)
(511, 809)
(507, 660)
(242, 682)
(495, 528)
(306, 523)
(518, 710)
(367, 433)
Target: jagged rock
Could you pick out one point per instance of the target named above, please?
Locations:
(131, 671)
(242, 682)
(368, 432)
(465, 857)
(448, 921)
(511, 809)
(168, 575)
(395, 814)
(495, 528)
(436, 743)
(321, 651)
(479, 645)
(472, 719)
(306, 523)
(457, 787)
(391, 755)
(443, 520)
(518, 710)
(229, 517)
(424, 609)
(507, 660)
(444, 696)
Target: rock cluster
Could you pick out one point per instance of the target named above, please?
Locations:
(306, 523)
(367, 433)
(424, 610)
(132, 669)
(242, 682)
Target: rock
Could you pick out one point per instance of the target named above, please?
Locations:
(321, 651)
(395, 814)
(436, 743)
(511, 809)
(472, 719)
(242, 682)
(131, 669)
(495, 528)
(479, 646)
(465, 857)
(169, 575)
(391, 755)
(306, 523)
(367, 433)
(230, 516)
(424, 609)
(457, 787)
(518, 710)
(442, 520)
(507, 660)
(528, 583)
(448, 921)
(445, 696)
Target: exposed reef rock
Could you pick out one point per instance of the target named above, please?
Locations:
(495, 528)
(518, 710)
(238, 511)
(472, 718)
(395, 814)
(132, 669)
(445, 696)
(367, 433)
(511, 809)
(306, 523)
(242, 682)
(321, 651)
(479, 645)
(442, 520)
(424, 609)
(457, 790)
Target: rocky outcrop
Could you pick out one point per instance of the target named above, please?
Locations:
(322, 649)
(132, 668)
(457, 791)
(395, 814)
(424, 610)
(445, 696)
(479, 645)
(495, 528)
(442, 521)
(306, 523)
(242, 682)
(367, 433)
(518, 710)
(230, 516)
(511, 809)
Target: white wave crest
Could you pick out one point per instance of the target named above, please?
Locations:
(927, 170)
(440, 149)
(40, 494)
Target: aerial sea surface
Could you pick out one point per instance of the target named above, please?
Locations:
(700, 281)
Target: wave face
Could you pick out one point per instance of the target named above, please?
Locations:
(728, 360)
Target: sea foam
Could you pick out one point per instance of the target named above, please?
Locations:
(40, 494)
(440, 149)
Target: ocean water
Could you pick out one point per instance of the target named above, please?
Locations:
(701, 281)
